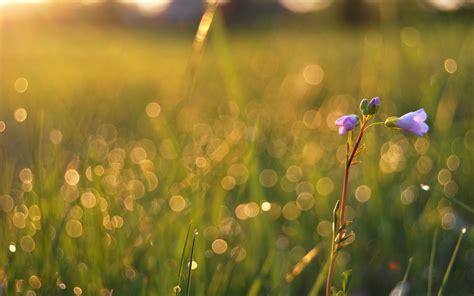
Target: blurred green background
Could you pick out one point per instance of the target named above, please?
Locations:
(116, 133)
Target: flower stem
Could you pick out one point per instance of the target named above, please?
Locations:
(375, 123)
(346, 172)
(334, 247)
(333, 255)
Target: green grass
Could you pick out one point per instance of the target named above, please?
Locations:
(245, 113)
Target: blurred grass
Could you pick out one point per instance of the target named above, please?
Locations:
(247, 112)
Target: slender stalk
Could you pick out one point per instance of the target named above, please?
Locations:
(190, 267)
(333, 256)
(432, 257)
(451, 263)
(374, 124)
(349, 159)
(177, 288)
(346, 172)
(405, 277)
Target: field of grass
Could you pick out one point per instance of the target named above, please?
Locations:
(121, 150)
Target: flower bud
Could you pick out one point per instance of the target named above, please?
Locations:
(374, 106)
(364, 104)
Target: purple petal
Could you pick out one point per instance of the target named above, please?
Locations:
(342, 130)
(375, 101)
(420, 115)
(406, 121)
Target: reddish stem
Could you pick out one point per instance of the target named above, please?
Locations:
(346, 173)
(343, 206)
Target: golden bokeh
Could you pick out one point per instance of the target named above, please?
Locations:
(177, 203)
(72, 177)
(26, 175)
(55, 136)
(313, 74)
(77, 291)
(20, 114)
(268, 178)
(21, 85)
(450, 65)
(74, 228)
(35, 282)
(88, 200)
(219, 246)
(228, 182)
(153, 110)
(27, 243)
(363, 193)
(6, 203)
(453, 162)
(266, 206)
(325, 186)
(305, 201)
(291, 211)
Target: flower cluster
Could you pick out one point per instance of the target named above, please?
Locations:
(412, 122)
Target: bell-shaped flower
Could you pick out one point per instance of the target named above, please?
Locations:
(413, 122)
(347, 123)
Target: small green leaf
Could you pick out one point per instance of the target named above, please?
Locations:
(346, 225)
(346, 280)
(334, 216)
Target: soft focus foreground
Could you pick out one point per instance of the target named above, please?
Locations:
(111, 144)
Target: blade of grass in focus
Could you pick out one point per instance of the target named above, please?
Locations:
(451, 263)
(177, 288)
(450, 198)
(190, 267)
(405, 277)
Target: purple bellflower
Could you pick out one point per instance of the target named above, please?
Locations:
(347, 123)
(413, 122)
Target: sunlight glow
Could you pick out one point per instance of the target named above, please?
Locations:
(7, 2)
(149, 7)
(446, 4)
(305, 6)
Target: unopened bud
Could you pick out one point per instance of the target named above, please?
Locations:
(374, 106)
(364, 104)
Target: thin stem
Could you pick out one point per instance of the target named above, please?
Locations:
(349, 158)
(350, 155)
(346, 172)
(432, 257)
(405, 277)
(188, 282)
(177, 288)
(451, 263)
(333, 255)
(374, 124)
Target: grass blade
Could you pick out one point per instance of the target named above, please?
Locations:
(320, 280)
(405, 277)
(450, 198)
(451, 263)
(188, 281)
(302, 263)
(177, 288)
(432, 257)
